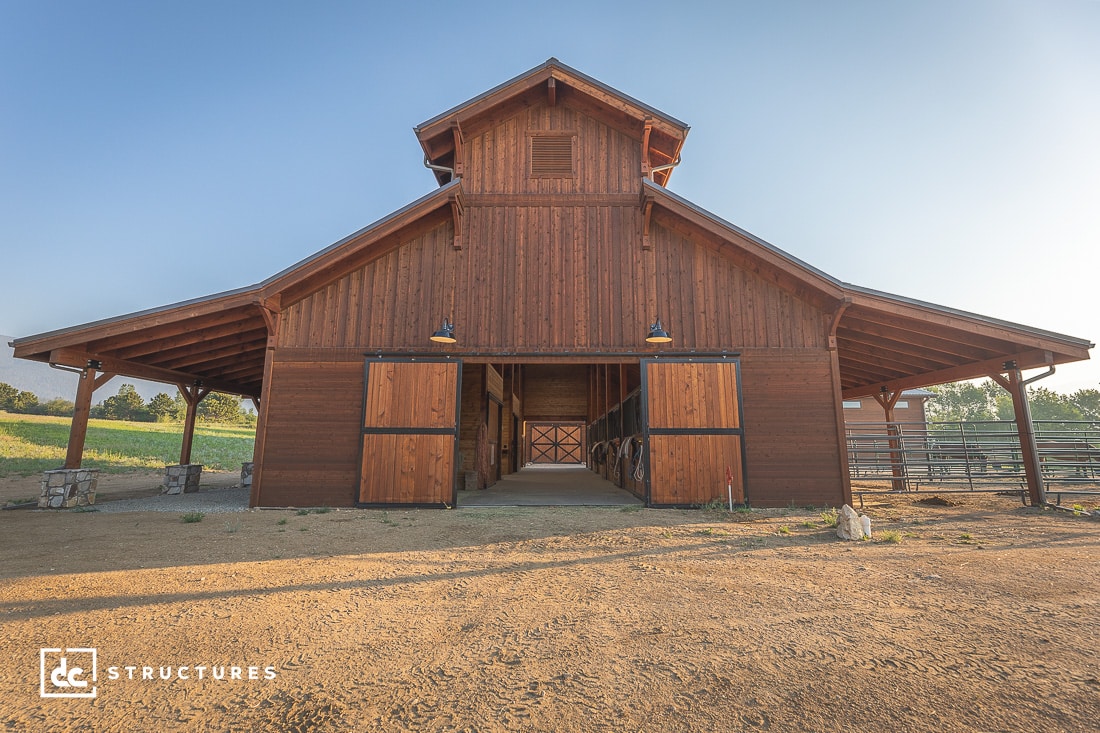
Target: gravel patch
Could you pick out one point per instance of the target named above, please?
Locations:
(213, 501)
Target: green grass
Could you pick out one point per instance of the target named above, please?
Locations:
(31, 444)
(192, 517)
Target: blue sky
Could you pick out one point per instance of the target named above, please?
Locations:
(946, 151)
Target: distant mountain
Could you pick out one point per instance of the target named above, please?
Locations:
(48, 384)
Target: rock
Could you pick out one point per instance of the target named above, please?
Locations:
(865, 524)
(848, 526)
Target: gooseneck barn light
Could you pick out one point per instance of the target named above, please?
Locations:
(658, 334)
(446, 333)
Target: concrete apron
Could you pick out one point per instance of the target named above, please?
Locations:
(550, 485)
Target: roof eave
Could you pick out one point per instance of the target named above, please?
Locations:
(550, 68)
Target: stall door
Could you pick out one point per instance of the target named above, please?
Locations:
(410, 432)
(556, 443)
(693, 431)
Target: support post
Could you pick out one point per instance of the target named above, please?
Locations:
(192, 396)
(78, 431)
(888, 400)
(1029, 451)
(838, 403)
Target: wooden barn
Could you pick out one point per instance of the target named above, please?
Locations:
(550, 300)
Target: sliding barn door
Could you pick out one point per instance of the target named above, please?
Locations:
(693, 431)
(410, 432)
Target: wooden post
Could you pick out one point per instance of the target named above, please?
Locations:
(192, 396)
(888, 400)
(838, 402)
(79, 428)
(1029, 451)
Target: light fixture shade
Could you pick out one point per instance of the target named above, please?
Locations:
(658, 334)
(446, 333)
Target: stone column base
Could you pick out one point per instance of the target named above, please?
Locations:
(182, 479)
(68, 487)
(246, 474)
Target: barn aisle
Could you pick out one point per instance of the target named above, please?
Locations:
(550, 485)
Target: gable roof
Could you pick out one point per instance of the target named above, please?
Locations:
(885, 340)
(666, 138)
(882, 340)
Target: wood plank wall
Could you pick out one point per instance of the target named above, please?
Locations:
(709, 302)
(552, 265)
(791, 442)
(555, 392)
(561, 294)
(471, 416)
(312, 445)
(606, 159)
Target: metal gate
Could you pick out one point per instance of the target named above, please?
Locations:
(556, 443)
(693, 431)
(410, 432)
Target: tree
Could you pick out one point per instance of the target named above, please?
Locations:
(219, 407)
(1087, 402)
(7, 394)
(126, 405)
(24, 402)
(162, 407)
(963, 401)
(1048, 405)
(58, 408)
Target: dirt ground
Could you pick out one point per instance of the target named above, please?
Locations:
(982, 618)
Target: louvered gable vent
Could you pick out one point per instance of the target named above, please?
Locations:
(552, 155)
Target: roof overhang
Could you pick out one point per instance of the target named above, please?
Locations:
(883, 341)
(220, 340)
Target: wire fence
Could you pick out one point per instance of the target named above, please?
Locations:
(974, 456)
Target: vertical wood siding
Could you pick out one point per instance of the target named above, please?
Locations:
(312, 442)
(791, 442)
(606, 159)
(538, 278)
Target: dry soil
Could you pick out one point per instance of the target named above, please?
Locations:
(983, 617)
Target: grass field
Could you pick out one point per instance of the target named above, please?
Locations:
(30, 444)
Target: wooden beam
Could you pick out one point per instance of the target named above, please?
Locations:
(216, 356)
(156, 338)
(946, 338)
(102, 379)
(197, 353)
(78, 429)
(914, 344)
(79, 337)
(647, 130)
(884, 357)
(974, 370)
(966, 328)
(551, 92)
(78, 358)
(460, 149)
(457, 211)
(835, 321)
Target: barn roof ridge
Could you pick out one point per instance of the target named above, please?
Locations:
(550, 65)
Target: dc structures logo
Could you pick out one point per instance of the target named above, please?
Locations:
(67, 672)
